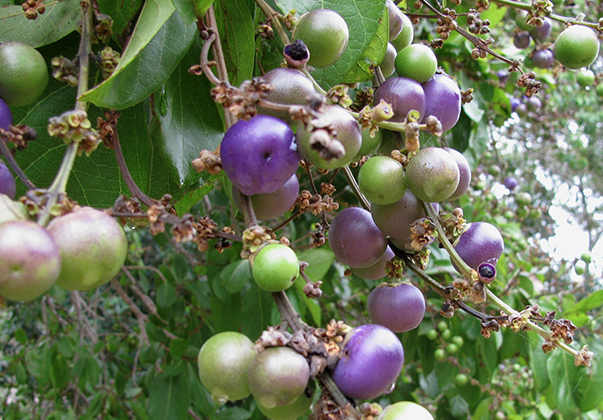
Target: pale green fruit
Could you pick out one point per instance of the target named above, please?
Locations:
(405, 410)
(275, 267)
(290, 411)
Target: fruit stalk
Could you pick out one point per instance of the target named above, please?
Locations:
(554, 16)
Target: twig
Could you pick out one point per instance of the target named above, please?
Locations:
(140, 317)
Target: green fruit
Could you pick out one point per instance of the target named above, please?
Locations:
(440, 354)
(599, 89)
(290, 411)
(223, 363)
(23, 73)
(432, 334)
(370, 145)
(521, 212)
(405, 410)
(326, 35)
(523, 199)
(579, 270)
(442, 326)
(406, 36)
(535, 213)
(586, 257)
(452, 348)
(275, 267)
(585, 78)
(11, 210)
(432, 174)
(417, 61)
(446, 334)
(461, 379)
(494, 170)
(458, 341)
(577, 46)
(93, 248)
(381, 180)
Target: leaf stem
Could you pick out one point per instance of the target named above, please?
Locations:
(273, 16)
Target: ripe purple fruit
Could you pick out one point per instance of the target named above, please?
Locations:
(396, 21)
(371, 360)
(443, 100)
(377, 270)
(30, 260)
(464, 173)
(543, 59)
(522, 40)
(404, 95)
(432, 174)
(534, 103)
(7, 181)
(271, 205)
(6, 117)
(399, 307)
(259, 155)
(515, 103)
(355, 239)
(480, 242)
(223, 363)
(290, 87)
(511, 183)
(542, 32)
(278, 376)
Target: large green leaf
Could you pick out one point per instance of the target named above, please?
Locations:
(594, 300)
(146, 63)
(560, 366)
(122, 13)
(364, 18)
(589, 393)
(169, 397)
(188, 119)
(60, 19)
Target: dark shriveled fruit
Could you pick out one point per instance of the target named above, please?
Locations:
(399, 307)
(30, 260)
(259, 155)
(355, 239)
(371, 360)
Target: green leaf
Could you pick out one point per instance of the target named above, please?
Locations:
(186, 8)
(177, 348)
(169, 397)
(60, 19)
(236, 275)
(190, 199)
(122, 13)
(593, 300)
(364, 18)
(458, 406)
(588, 394)
(319, 260)
(200, 396)
(166, 294)
(20, 336)
(560, 366)
(232, 413)
(182, 133)
(60, 373)
(151, 56)
(237, 30)
(257, 311)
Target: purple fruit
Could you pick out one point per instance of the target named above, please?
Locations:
(404, 95)
(464, 173)
(290, 87)
(443, 100)
(543, 59)
(272, 205)
(542, 32)
(355, 239)
(396, 22)
(399, 307)
(377, 270)
(514, 104)
(522, 40)
(480, 242)
(522, 110)
(534, 103)
(511, 183)
(371, 360)
(259, 155)
(502, 75)
(6, 117)
(7, 181)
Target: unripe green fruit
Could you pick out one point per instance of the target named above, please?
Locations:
(326, 35)
(446, 334)
(381, 180)
(291, 411)
(579, 269)
(521, 212)
(452, 348)
(440, 355)
(585, 78)
(494, 170)
(461, 379)
(442, 326)
(23, 73)
(275, 267)
(586, 257)
(405, 410)
(432, 175)
(223, 363)
(458, 340)
(523, 199)
(599, 89)
(406, 36)
(577, 46)
(535, 213)
(417, 61)
(370, 145)
(432, 334)
(11, 210)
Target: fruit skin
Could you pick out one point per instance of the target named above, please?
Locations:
(464, 173)
(523, 199)
(291, 411)
(8, 185)
(403, 94)
(223, 363)
(275, 267)
(30, 260)
(432, 174)
(577, 47)
(371, 360)
(6, 116)
(522, 40)
(406, 36)
(461, 379)
(534, 103)
(443, 100)
(396, 21)
(290, 87)
(511, 183)
(542, 32)
(405, 410)
(417, 61)
(278, 376)
(440, 355)
(585, 78)
(347, 133)
(381, 180)
(326, 35)
(514, 103)
(388, 63)
(480, 242)
(599, 89)
(355, 239)
(522, 110)
(586, 257)
(377, 270)
(543, 59)
(399, 307)
(23, 73)
(259, 155)
(370, 145)
(93, 248)
(271, 205)
(11, 210)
